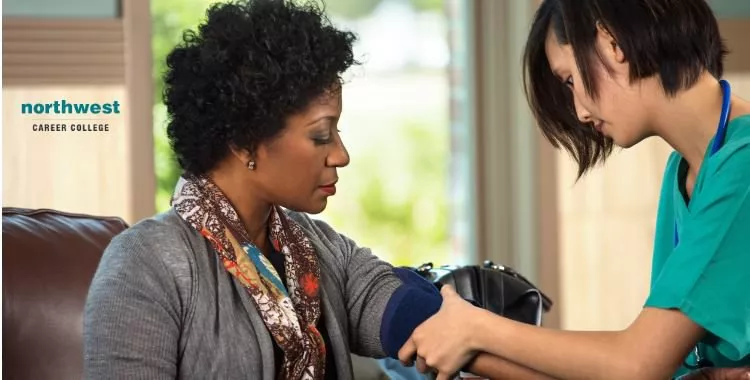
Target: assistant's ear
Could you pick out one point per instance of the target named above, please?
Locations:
(608, 45)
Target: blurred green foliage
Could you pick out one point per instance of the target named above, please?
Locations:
(399, 202)
(393, 197)
(170, 18)
(427, 5)
(350, 9)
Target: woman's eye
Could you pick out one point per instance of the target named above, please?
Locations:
(325, 138)
(321, 140)
(569, 81)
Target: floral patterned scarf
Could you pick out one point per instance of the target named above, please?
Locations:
(290, 316)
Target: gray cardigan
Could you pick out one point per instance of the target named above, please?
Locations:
(161, 306)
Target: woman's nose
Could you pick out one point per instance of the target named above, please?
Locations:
(339, 156)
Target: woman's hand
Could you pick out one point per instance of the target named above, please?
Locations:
(445, 341)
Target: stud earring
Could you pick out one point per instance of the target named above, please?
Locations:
(251, 165)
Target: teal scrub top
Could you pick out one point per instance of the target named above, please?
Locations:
(707, 275)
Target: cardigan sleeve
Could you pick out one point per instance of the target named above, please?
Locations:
(384, 304)
(132, 314)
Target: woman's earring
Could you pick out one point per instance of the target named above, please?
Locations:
(251, 165)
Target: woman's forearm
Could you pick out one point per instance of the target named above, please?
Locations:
(491, 366)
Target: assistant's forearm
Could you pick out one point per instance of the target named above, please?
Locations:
(559, 354)
(491, 366)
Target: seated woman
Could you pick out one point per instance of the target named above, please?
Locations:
(235, 280)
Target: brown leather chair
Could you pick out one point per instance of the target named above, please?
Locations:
(49, 259)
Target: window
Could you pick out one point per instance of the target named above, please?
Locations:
(396, 195)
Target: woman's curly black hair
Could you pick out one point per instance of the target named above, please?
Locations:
(248, 67)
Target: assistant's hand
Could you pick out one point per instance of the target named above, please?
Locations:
(718, 374)
(444, 341)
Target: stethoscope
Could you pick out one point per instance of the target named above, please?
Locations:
(700, 359)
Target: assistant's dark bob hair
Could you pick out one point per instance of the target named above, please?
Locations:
(676, 40)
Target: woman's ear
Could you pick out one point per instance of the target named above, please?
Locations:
(243, 155)
(608, 45)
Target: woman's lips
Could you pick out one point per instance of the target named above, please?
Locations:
(328, 189)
